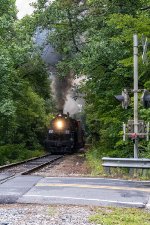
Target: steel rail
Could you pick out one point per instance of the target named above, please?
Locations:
(41, 165)
(34, 163)
(22, 162)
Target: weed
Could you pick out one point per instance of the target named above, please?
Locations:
(51, 211)
(94, 161)
(120, 216)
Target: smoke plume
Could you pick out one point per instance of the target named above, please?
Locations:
(61, 87)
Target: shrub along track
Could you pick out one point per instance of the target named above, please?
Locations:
(26, 167)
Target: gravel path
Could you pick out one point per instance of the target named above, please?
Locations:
(28, 214)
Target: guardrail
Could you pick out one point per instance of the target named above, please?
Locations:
(132, 163)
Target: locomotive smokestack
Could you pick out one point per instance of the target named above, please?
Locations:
(60, 111)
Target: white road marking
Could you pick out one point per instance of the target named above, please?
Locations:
(86, 199)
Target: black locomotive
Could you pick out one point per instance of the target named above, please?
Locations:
(65, 135)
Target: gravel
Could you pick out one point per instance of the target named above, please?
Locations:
(28, 214)
(71, 165)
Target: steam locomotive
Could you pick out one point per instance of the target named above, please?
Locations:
(65, 135)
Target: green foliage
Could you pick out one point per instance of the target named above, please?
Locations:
(94, 161)
(120, 216)
(24, 84)
(116, 74)
(96, 39)
(15, 153)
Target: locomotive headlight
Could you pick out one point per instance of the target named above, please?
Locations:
(59, 124)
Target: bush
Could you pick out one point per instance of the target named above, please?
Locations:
(93, 157)
(16, 153)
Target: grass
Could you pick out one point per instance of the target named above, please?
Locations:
(120, 216)
(95, 164)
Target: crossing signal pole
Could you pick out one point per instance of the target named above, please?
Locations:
(135, 129)
(135, 90)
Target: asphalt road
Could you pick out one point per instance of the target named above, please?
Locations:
(78, 191)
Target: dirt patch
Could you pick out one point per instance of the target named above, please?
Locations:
(70, 165)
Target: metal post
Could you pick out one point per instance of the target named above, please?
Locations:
(135, 50)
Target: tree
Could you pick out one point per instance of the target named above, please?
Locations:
(95, 39)
(25, 85)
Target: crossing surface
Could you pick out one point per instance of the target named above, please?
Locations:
(77, 191)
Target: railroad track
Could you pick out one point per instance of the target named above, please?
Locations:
(26, 167)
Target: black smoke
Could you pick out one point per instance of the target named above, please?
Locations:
(61, 87)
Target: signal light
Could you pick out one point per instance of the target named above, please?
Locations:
(120, 98)
(124, 99)
(145, 99)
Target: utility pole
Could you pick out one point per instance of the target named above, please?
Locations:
(135, 54)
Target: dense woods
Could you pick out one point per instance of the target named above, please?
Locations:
(95, 39)
(24, 85)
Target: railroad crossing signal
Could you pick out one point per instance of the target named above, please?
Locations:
(145, 99)
(128, 130)
(124, 99)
